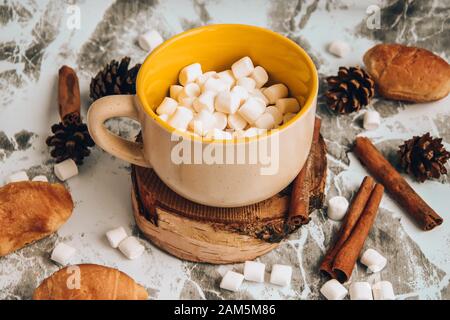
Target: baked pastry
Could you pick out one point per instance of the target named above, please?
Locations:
(408, 73)
(30, 211)
(95, 283)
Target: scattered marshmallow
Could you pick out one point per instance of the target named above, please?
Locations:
(205, 101)
(260, 76)
(276, 114)
(241, 93)
(236, 122)
(254, 271)
(383, 291)
(360, 291)
(232, 281)
(204, 77)
(218, 134)
(17, 177)
(288, 116)
(260, 95)
(374, 261)
(339, 48)
(214, 84)
(337, 208)
(242, 68)
(281, 275)
(191, 90)
(150, 40)
(265, 121)
(131, 248)
(116, 236)
(62, 253)
(181, 118)
(275, 92)
(66, 169)
(175, 91)
(40, 178)
(288, 105)
(202, 122)
(371, 120)
(251, 132)
(190, 73)
(251, 110)
(247, 83)
(227, 77)
(333, 290)
(220, 120)
(227, 102)
(188, 102)
(164, 117)
(167, 106)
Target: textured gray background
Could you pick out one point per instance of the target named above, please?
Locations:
(35, 42)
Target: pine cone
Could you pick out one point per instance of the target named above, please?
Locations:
(424, 157)
(350, 90)
(71, 139)
(115, 78)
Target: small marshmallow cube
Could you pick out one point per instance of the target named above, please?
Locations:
(374, 261)
(333, 290)
(66, 169)
(260, 76)
(205, 101)
(17, 177)
(232, 281)
(227, 102)
(288, 116)
(220, 120)
(191, 90)
(181, 118)
(339, 48)
(241, 93)
(236, 122)
(190, 73)
(337, 208)
(116, 236)
(252, 109)
(202, 79)
(288, 105)
(175, 91)
(247, 83)
(62, 253)
(227, 77)
(260, 95)
(281, 275)
(265, 121)
(360, 291)
(371, 120)
(217, 134)
(40, 178)
(188, 103)
(276, 114)
(167, 106)
(164, 117)
(242, 68)
(131, 248)
(254, 271)
(216, 85)
(251, 132)
(383, 291)
(150, 40)
(202, 122)
(275, 92)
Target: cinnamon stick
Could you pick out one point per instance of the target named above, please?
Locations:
(351, 218)
(396, 185)
(299, 206)
(68, 92)
(345, 260)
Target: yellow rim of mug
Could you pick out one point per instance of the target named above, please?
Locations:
(308, 102)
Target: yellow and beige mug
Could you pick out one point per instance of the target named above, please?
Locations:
(226, 184)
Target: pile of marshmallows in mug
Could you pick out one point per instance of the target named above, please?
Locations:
(229, 104)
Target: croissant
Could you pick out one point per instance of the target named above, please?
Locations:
(30, 211)
(89, 282)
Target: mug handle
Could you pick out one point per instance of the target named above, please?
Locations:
(113, 107)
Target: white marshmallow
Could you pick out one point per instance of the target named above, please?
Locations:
(175, 91)
(252, 109)
(276, 114)
(227, 102)
(116, 236)
(383, 291)
(251, 132)
(288, 116)
(167, 106)
(216, 85)
(247, 83)
(275, 92)
(191, 90)
(236, 122)
(260, 76)
(202, 122)
(281, 275)
(188, 103)
(220, 120)
(373, 260)
(371, 120)
(333, 290)
(241, 93)
(66, 169)
(288, 105)
(181, 118)
(254, 271)
(131, 248)
(202, 79)
(337, 208)
(339, 48)
(205, 101)
(164, 117)
(242, 68)
(260, 95)
(150, 40)
(62, 253)
(360, 291)
(265, 121)
(232, 281)
(40, 178)
(17, 177)
(227, 77)
(190, 73)
(217, 134)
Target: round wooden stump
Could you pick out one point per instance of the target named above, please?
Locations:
(199, 233)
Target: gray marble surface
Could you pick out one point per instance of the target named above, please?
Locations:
(35, 41)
